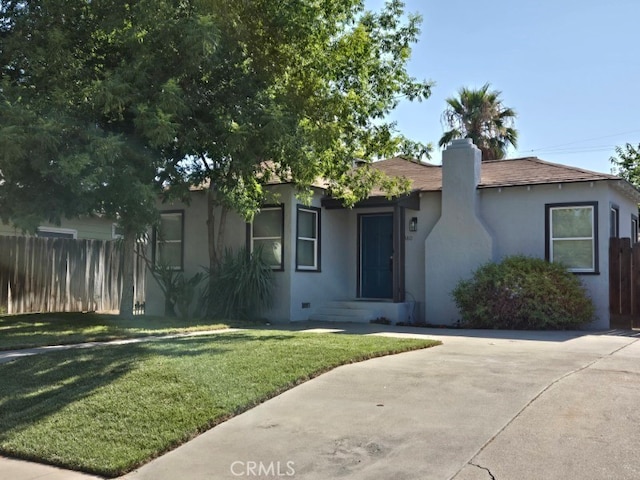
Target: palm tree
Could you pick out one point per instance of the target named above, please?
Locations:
(480, 116)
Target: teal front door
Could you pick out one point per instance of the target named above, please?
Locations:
(376, 256)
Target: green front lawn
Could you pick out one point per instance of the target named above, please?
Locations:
(108, 410)
(38, 329)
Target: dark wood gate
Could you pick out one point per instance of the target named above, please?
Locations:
(624, 283)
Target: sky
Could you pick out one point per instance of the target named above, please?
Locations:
(570, 69)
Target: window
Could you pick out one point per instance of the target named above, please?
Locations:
(571, 231)
(614, 223)
(308, 239)
(52, 232)
(168, 240)
(267, 234)
(117, 232)
(634, 229)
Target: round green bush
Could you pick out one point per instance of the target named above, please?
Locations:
(523, 293)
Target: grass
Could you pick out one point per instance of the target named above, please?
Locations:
(38, 329)
(107, 410)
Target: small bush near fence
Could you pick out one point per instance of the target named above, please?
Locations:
(523, 293)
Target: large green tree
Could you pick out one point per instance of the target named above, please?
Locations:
(104, 101)
(86, 106)
(296, 90)
(481, 116)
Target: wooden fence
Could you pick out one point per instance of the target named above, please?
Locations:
(63, 275)
(624, 283)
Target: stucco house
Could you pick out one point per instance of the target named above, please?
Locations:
(400, 258)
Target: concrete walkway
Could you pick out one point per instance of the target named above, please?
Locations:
(484, 405)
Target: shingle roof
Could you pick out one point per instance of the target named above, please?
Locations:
(496, 173)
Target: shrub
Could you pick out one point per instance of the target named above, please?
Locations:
(240, 287)
(179, 292)
(523, 293)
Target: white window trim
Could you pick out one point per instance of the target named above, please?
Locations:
(316, 214)
(592, 238)
(58, 230)
(280, 209)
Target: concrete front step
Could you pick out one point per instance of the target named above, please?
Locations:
(355, 311)
(320, 317)
(331, 310)
(353, 304)
(342, 312)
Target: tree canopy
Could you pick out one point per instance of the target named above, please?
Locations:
(105, 104)
(480, 115)
(225, 85)
(626, 163)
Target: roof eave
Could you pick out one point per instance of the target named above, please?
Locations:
(545, 182)
(627, 189)
(410, 200)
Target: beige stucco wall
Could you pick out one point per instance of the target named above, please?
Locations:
(428, 215)
(196, 252)
(516, 216)
(281, 310)
(336, 256)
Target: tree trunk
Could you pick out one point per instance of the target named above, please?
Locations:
(215, 242)
(126, 299)
(211, 223)
(213, 257)
(222, 224)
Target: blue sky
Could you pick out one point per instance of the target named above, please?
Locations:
(570, 69)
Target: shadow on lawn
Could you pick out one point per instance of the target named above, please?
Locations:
(38, 329)
(35, 387)
(192, 346)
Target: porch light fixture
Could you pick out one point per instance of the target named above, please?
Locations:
(413, 224)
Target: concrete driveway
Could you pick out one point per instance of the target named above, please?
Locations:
(502, 405)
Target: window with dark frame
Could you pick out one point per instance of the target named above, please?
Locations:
(634, 229)
(267, 235)
(571, 231)
(614, 221)
(168, 243)
(308, 239)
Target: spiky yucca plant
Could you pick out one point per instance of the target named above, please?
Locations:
(242, 286)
